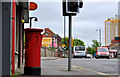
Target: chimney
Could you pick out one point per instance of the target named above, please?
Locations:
(46, 29)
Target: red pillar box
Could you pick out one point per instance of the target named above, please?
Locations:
(33, 43)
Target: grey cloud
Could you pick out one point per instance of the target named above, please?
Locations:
(90, 18)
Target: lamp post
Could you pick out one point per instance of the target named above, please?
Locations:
(64, 33)
(31, 20)
(99, 36)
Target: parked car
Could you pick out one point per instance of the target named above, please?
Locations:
(88, 56)
(102, 52)
(79, 51)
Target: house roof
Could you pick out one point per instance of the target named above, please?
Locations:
(48, 30)
(52, 33)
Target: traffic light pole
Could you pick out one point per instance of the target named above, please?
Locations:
(64, 29)
(64, 34)
(70, 37)
(100, 36)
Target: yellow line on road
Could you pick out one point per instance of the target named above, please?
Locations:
(102, 73)
(58, 59)
(78, 68)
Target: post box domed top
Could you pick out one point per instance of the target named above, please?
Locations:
(33, 30)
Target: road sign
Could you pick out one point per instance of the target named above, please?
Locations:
(63, 45)
(117, 40)
(33, 6)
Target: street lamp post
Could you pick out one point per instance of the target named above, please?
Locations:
(99, 36)
(64, 33)
(31, 20)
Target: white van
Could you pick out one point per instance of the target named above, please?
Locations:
(79, 51)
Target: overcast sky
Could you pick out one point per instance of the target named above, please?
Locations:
(91, 17)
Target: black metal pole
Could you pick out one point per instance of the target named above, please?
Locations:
(19, 49)
(64, 29)
(64, 34)
(30, 22)
(70, 36)
(52, 42)
(117, 50)
(22, 41)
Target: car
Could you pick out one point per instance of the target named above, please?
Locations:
(79, 51)
(102, 52)
(88, 56)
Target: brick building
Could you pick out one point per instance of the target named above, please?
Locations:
(50, 39)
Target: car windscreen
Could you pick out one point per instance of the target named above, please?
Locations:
(102, 50)
(79, 48)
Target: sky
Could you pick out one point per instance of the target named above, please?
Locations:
(91, 17)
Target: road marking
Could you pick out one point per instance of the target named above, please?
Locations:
(58, 59)
(101, 73)
(78, 68)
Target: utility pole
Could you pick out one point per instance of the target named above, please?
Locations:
(64, 29)
(70, 37)
(99, 36)
(64, 34)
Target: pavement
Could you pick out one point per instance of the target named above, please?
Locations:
(52, 66)
(49, 58)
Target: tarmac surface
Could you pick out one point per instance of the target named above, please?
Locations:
(81, 67)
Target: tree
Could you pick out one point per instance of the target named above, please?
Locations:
(95, 44)
(91, 50)
(65, 42)
(76, 42)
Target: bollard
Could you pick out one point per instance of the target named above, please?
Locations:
(33, 43)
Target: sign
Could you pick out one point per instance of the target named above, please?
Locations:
(33, 6)
(63, 45)
(116, 40)
(46, 42)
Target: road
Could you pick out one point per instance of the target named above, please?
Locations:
(80, 67)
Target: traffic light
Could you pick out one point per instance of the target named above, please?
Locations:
(73, 6)
(65, 13)
(80, 3)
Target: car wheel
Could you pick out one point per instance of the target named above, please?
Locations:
(96, 57)
(109, 57)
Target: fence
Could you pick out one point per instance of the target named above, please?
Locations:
(48, 52)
